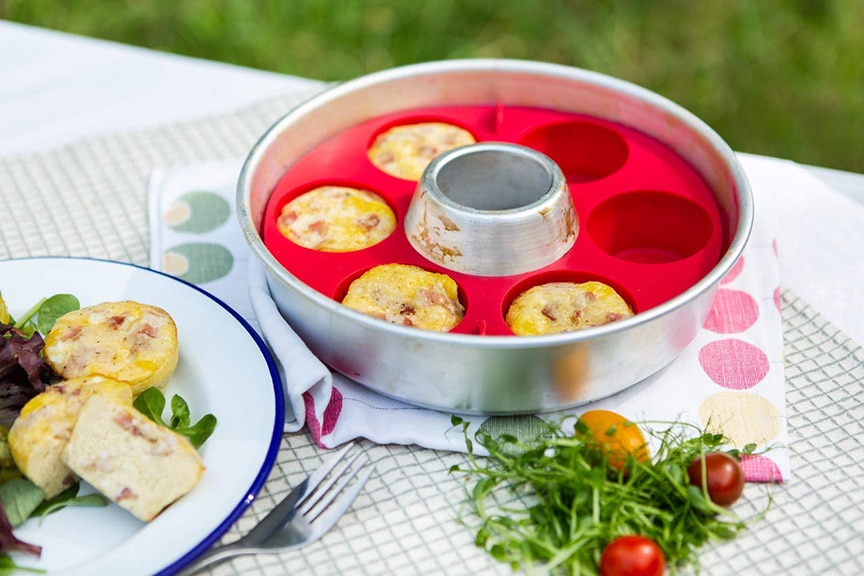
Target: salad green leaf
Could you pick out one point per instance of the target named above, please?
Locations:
(180, 415)
(199, 432)
(42, 316)
(8, 566)
(151, 403)
(68, 499)
(53, 308)
(20, 498)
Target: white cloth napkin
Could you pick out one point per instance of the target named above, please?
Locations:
(731, 374)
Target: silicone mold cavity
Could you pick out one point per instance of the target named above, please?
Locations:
(650, 227)
(584, 150)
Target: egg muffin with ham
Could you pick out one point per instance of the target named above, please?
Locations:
(565, 307)
(125, 341)
(407, 295)
(140, 465)
(405, 151)
(40, 433)
(337, 219)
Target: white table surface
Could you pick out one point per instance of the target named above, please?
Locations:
(58, 88)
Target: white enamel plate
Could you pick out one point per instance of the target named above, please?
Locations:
(224, 369)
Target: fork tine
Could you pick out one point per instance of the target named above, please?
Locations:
(287, 508)
(316, 477)
(328, 516)
(314, 495)
(327, 493)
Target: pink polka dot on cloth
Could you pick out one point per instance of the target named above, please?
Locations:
(760, 469)
(733, 311)
(778, 299)
(733, 363)
(734, 272)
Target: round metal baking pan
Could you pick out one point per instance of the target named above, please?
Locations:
(468, 373)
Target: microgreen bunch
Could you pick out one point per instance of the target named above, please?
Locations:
(555, 503)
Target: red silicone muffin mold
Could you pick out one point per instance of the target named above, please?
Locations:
(649, 225)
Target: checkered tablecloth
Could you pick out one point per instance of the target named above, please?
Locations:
(90, 199)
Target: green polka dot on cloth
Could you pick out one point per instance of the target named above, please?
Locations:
(197, 212)
(198, 262)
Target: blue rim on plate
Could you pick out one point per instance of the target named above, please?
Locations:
(279, 408)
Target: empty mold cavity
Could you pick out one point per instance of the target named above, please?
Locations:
(649, 227)
(584, 151)
(494, 180)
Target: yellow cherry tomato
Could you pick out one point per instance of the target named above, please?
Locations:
(617, 438)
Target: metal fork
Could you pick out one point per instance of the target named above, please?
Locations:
(306, 514)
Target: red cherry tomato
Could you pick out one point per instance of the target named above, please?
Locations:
(632, 556)
(725, 477)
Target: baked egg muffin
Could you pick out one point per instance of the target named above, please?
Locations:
(138, 464)
(407, 295)
(565, 307)
(336, 219)
(40, 433)
(126, 341)
(405, 151)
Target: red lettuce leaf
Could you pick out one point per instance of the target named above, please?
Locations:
(23, 371)
(8, 541)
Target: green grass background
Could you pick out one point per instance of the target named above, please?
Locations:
(783, 78)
